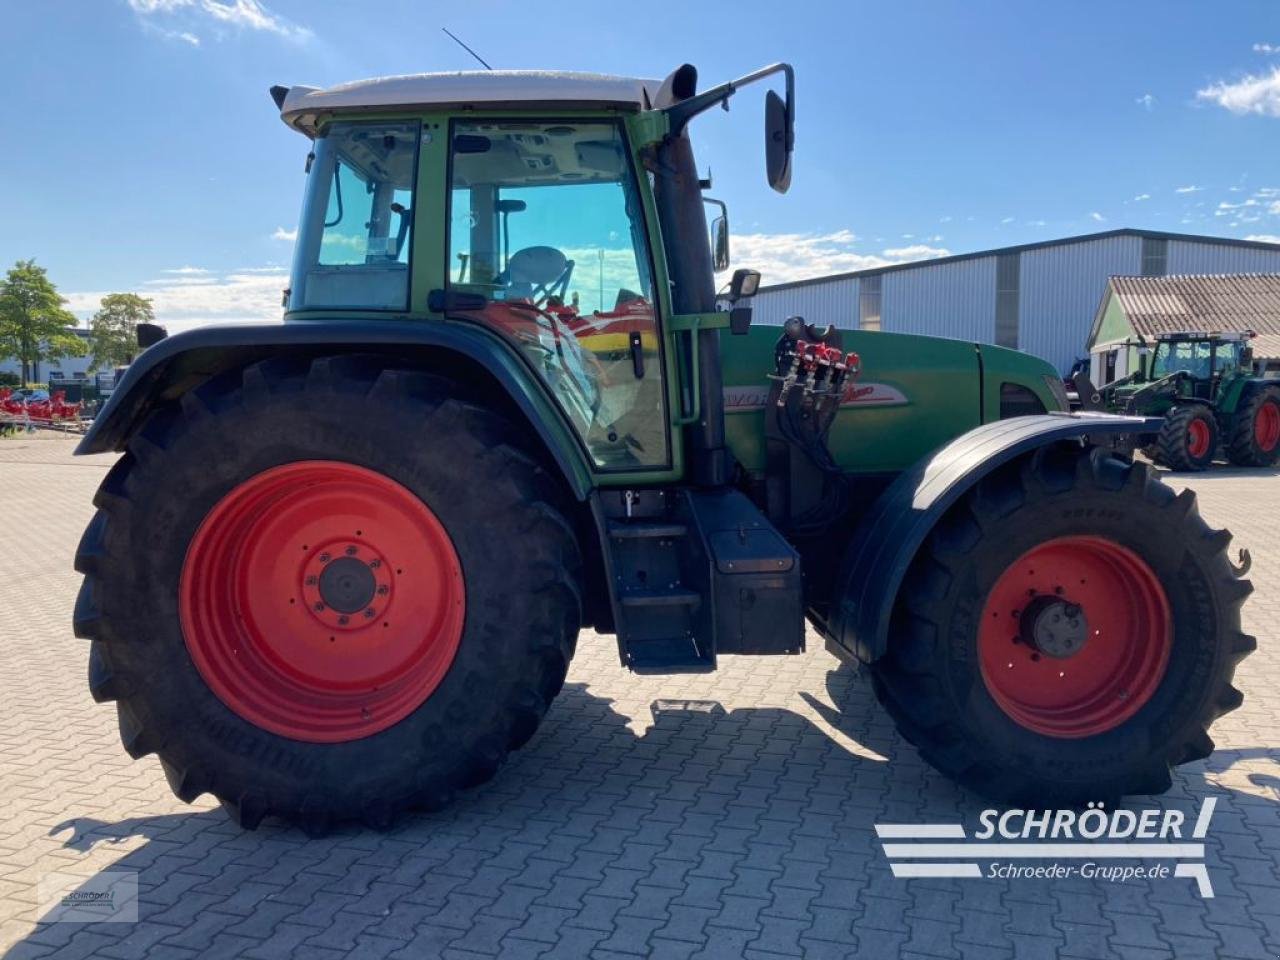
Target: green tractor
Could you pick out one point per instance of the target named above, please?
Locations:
(1205, 387)
(341, 566)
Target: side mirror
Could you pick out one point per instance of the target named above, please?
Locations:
(745, 283)
(720, 245)
(149, 334)
(719, 235)
(779, 138)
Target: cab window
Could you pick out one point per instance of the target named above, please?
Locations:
(1173, 356)
(354, 236)
(546, 235)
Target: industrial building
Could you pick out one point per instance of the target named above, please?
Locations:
(1038, 297)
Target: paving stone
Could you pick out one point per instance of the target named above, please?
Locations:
(710, 816)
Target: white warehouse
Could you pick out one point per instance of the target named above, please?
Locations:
(1037, 297)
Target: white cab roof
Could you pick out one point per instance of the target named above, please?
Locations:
(304, 107)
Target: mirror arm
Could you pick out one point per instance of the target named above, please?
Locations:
(679, 114)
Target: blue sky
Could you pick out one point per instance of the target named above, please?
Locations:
(143, 153)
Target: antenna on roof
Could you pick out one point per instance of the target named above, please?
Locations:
(466, 48)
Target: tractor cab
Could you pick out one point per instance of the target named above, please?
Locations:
(555, 210)
(1206, 359)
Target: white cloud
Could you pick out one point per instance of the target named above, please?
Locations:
(1226, 209)
(1188, 189)
(193, 296)
(1097, 216)
(1038, 223)
(1266, 48)
(1258, 94)
(186, 15)
(1146, 101)
(1142, 196)
(781, 257)
(1007, 220)
(916, 251)
(944, 219)
(1263, 237)
(280, 233)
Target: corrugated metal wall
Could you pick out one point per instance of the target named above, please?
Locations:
(1059, 292)
(1188, 257)
(834, 302)
(944, 300)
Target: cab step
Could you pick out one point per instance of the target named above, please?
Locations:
(696, 572)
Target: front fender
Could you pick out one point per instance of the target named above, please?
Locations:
(888, 537)
(177, 364)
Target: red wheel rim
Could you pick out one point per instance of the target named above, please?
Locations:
(1198, 437)
(1266, 426)
(322, 601)
(1126, 626)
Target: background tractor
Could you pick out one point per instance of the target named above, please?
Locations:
(341, 566)
(1205, 387)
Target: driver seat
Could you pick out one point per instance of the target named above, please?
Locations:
(536, 271)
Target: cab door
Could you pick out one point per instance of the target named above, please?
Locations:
(547, 246)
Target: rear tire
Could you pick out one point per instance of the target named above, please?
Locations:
(1188, 438)
(1253, 437)
(461, 463)
(958, 711)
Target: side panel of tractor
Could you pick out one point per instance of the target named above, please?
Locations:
(915, 393)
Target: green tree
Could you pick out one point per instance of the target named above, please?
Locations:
(113, 332)
(33, 320)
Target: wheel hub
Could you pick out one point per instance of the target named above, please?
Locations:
(322, 601)
(346, 584)
(1054, 626)
(1075, 636)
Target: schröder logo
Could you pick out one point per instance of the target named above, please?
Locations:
(1094, 843)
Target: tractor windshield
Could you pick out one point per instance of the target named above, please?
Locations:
(1175, 356)
(353, 239)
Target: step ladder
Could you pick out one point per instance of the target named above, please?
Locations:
(689, 571)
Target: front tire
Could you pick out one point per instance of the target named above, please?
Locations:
(327, 591)
(989, 677)
(1188, 438)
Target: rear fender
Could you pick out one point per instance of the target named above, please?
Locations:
(178, 364)
(888, 537)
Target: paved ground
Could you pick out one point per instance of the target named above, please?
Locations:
(728, 816)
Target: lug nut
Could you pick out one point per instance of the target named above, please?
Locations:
(311, 581)
(319, 607)
(375, 564)
(351, 551)
(368, 614)
(343, 620)
(324, 558)
(383, 590)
